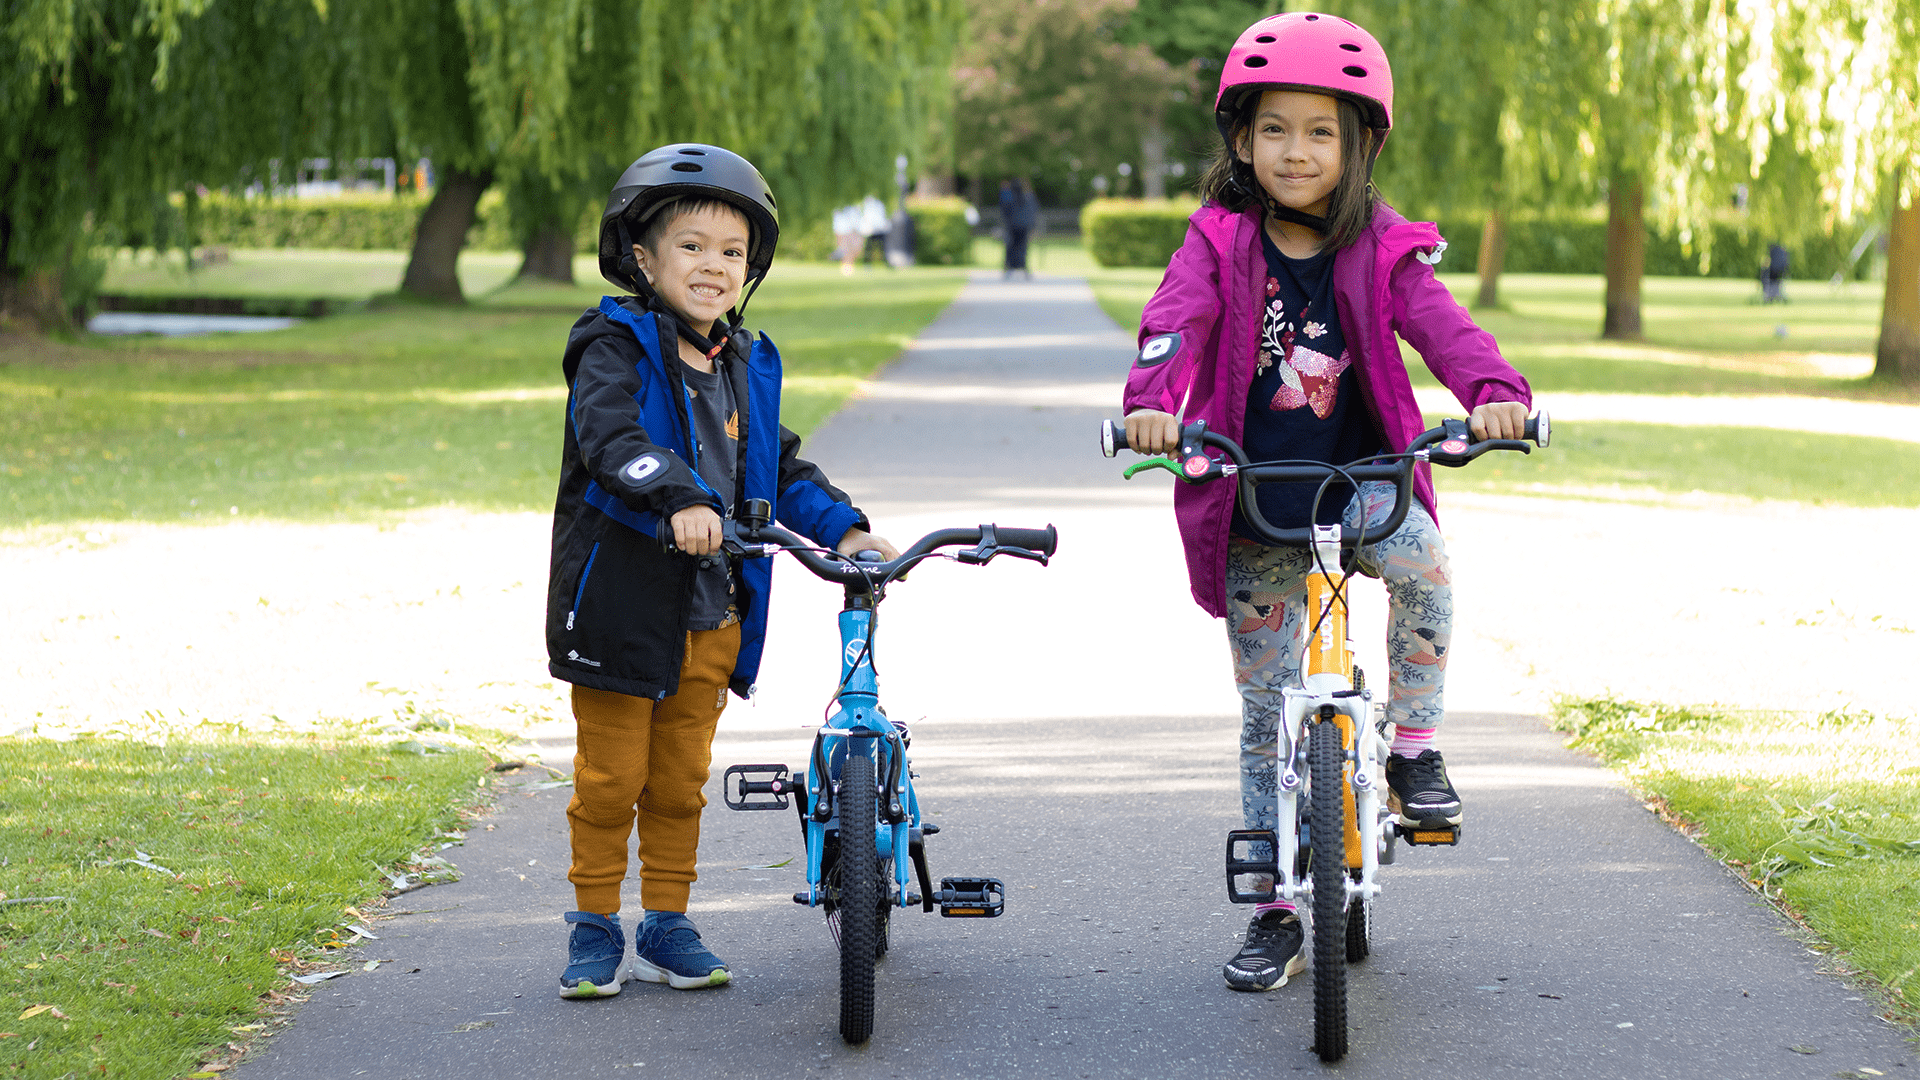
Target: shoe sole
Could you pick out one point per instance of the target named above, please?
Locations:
(646, 971)
(1293, 967)
(587, 989)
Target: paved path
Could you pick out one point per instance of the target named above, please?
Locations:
(1075, 736)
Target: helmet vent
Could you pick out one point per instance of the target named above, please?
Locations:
(771, 201)
(1349, 46)
(1256, 61)
(1353, 70)
(1313, 18)
(688, 166)
(694, 153)
(1266, 39)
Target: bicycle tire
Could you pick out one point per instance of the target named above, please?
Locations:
(1326, 763)
(1359, 930)
(859, 904)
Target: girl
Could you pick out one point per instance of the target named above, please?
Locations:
(1275, 325)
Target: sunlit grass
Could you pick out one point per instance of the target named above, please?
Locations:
(1741, 780)
(376, 411)
(182, 880)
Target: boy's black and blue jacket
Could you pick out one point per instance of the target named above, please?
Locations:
(617, 600)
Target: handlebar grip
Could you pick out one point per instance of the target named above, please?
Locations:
(1043, 541)
(1538, 428)
(1113, 438)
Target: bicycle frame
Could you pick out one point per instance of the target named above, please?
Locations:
(1327, 694)
(859, 725)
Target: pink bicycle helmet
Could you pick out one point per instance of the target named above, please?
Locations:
(1307, 51)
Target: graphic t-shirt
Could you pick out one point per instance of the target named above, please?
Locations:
(1304, 403)
(716, 433)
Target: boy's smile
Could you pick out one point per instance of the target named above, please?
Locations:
(1294, 148)
(700, 264)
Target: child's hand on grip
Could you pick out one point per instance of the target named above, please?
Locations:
(1498, 420)
(696, 530)
(1150, 431)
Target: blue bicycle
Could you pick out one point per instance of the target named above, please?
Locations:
(858, 810)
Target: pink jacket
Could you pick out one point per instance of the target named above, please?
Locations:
(1212, 297)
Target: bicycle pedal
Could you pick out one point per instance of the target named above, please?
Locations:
(773, 781)
(1241, 863)
(1447, 836)
(971, 898)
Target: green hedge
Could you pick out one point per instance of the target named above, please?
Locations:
(942, 235)
(1578, 245)
(345, 223)
(1135, 232)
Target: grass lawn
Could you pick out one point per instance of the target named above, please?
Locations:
(187, 878)
(1821, 812)
(371, 411)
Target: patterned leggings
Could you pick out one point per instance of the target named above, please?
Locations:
(1266, 613)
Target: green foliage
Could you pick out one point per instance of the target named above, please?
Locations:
(1049, 91)
(1825, 834)
(343, 223)
(1135, 232)
(1577, 244)
(196, 873)
(941, 233)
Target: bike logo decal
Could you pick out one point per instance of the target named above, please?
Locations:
(1454, 446)
(1158, 349)
(642, 467)
(1196, 465)
(854, 649)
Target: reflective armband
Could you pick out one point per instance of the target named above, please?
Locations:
(1158, 350)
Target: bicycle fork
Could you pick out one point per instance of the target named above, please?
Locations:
(1329, 694)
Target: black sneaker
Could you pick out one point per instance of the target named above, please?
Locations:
(1421, 794)
(1275, 951)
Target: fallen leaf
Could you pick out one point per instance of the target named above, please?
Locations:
(1804, 1049)
(35, 1011)
(370, 965)
(318, 977)
(361, 931)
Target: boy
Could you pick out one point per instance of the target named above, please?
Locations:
(672, 420)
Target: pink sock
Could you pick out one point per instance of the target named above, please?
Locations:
(1277, 905)
(1408, 742)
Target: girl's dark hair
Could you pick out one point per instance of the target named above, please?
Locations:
(1231, 183)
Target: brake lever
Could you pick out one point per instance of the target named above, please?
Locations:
(1193, 468)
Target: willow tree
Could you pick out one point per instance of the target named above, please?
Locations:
(112, 104)
(557, 96)
(1053, 90)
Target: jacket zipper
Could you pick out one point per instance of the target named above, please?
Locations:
(581, 590)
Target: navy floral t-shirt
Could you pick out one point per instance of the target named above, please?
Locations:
(1304, 403)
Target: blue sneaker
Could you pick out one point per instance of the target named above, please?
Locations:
(667, 949)
(595, 948)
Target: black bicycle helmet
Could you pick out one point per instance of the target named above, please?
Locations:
(677, 171)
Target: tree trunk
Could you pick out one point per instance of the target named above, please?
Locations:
(1626, 257)
(548, 254)
(31, 302)
(1898, 358)
(1153, 160)
(1493, 259)
(442, 233)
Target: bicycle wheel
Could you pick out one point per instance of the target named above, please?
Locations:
(1328, 811)
(859, 904)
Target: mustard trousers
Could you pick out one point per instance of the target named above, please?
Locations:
(644, 762)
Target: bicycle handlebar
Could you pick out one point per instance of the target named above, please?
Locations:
(1451, 444)
(754, 537)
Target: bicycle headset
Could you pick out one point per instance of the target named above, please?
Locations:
(1306, 51)
(670, 173)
